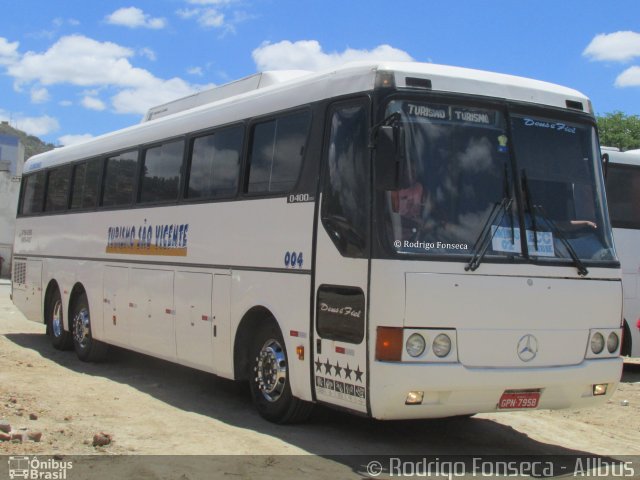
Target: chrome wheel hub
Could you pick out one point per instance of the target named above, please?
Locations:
(81, 330)
(271, 370)
(56, 319)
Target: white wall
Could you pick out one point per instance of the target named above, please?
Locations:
(9, 190)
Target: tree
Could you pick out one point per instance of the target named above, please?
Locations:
(619, 130)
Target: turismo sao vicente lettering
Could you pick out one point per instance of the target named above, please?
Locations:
(163, 239)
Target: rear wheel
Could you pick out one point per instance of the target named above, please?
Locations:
(60, 338)
(269, 379)
(87, 348)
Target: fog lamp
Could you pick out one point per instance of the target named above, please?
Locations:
(414, 398)
(600, 389)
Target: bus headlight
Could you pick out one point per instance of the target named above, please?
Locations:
(612, 342)
(442, 345)
(597, 343)
(415, 345)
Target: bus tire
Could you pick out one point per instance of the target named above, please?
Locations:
(269, 380)
(60, 338)
(87, 348)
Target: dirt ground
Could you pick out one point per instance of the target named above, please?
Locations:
(151, 407)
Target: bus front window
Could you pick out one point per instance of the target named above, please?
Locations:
(460, 189)
(458, 169)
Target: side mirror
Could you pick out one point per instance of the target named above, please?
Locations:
(389, 157)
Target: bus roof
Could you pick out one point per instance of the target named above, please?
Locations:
(284, 91)
(630, 157)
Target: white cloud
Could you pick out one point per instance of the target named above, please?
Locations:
(65, 103)
(93, 103)
(8, 51)
(148, 53)
(37, 126)
(629, 78)
(195, 71)
(39, 95)
(66, 140)
(133, 17)
(79, 60)
(139, 100)
(82, 61)
(214, 14)
(308, 55)
(618, 46)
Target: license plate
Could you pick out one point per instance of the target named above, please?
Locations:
(515, 400)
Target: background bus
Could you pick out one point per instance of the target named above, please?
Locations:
(399, 240)
(623, 194)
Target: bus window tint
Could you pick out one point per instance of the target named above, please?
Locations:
(33, 193)
(58, 189)
(86, 178)
(119, 183)
(215, 164)
(161, 172)
(277, 150)
(623, 195)
(344, 206)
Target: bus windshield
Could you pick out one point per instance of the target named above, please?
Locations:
(463, 168)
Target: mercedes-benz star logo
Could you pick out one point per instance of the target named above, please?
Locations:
(527, 348)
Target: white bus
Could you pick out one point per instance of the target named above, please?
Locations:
(399, 240)
(622, 172)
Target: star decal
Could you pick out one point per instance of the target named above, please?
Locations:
(327, 367)
(347, 372)
(358, 374)
(338, 369)
(318, 365)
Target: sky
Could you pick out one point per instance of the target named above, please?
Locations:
(73, 69)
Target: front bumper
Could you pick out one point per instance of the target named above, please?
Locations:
(453, 389)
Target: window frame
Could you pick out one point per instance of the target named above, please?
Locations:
(190, 140)
(246, 164)
(628, 225)
(142, 156)
(103, 178)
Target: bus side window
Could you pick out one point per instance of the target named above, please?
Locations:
(345, 209)
(119, 183)
(215, 164)
(161, 167)
(58, 189)
(276, 153)
(86, 184)
(33, 193)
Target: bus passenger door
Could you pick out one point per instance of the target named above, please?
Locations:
(341, 261)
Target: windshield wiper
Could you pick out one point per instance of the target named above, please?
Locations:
(582, 270)
(484, 239)
(533, 209)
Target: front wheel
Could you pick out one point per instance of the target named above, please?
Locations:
(87, 348)
(269, 379)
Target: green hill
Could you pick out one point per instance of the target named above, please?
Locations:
(32, 145)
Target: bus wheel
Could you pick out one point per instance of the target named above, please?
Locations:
(269, 379)
(87, 348)
(60, 338)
